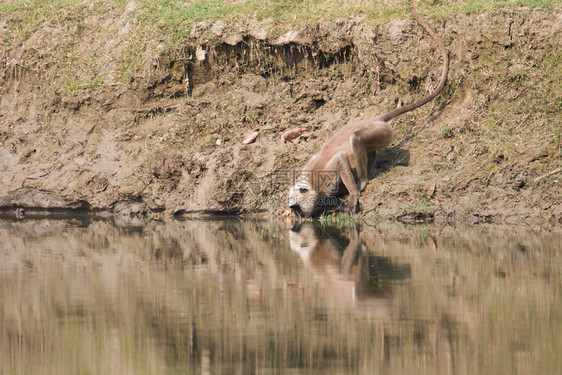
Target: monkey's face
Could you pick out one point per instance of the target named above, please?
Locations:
(302, 199)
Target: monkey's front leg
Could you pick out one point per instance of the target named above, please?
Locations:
(340, 163)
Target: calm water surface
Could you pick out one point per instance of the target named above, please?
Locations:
(258, 297)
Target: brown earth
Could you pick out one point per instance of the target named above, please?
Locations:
(170, 141)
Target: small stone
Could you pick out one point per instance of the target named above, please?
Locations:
(200, 54)
(218, 28)
(290, 36)
(233, 39)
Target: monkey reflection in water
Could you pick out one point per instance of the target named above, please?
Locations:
(343, 265)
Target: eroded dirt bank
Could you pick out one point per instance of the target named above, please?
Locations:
(170, 141)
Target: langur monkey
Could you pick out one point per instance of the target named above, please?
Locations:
(349, 155)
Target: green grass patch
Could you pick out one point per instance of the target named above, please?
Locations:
(172, 20)
(340, 219)
(81, 43)
(176, 18)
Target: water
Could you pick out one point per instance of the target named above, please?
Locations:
(253, 297)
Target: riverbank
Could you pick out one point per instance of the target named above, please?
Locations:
(101, 113)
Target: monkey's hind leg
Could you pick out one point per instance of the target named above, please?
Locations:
(364, 144)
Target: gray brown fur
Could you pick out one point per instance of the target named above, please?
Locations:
(352, 150)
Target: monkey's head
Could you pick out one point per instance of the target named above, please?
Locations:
(302, 199)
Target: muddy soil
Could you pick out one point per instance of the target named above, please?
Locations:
(170, 142)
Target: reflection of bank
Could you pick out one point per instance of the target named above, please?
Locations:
(350, 274)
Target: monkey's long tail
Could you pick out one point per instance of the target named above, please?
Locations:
(398, 111)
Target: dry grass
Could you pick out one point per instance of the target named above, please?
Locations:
(83, 45)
